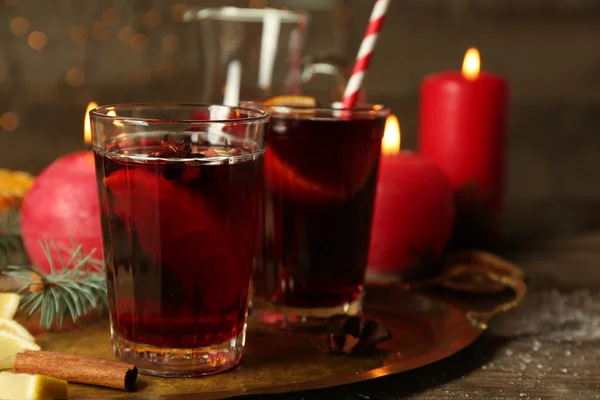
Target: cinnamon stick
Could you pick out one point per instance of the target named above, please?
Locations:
(77, 368)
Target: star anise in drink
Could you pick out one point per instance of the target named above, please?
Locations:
(169, 149)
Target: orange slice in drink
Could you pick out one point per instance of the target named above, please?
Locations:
(288, 182)
(177, 228)
(292, 101)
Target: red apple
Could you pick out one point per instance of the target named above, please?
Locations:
(62, 205)
(413, 218)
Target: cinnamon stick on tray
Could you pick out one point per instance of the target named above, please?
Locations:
(77, 368)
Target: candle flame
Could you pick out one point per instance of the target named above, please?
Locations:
(391, 136)
(471, 64)
(113, 113)
(87, 129)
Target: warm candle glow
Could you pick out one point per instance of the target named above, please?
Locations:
(391, 137)
(471, 64)
(113, 113)
(87, 129)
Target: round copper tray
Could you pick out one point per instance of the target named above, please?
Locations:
(424, 329)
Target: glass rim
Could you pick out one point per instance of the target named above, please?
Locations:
(101, 113)
(379, 110)
(241, 14)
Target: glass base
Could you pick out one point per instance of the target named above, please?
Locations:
(297, 317)
(167, 362)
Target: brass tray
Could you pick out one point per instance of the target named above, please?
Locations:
(425, 329)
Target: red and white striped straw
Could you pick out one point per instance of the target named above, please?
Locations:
(364, 53)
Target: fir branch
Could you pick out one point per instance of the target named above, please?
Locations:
(11, 245)
(9, 221)
(73, 288)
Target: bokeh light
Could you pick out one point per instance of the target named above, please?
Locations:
(37, 40)
(110, 16)
(138, 42)
(79, 35)
(100, 31)
(170, 43)
(178, 11)
(75, 77)
(9, 121)
(11, 3)
(126, 33)
(152, 19)
(19, 26)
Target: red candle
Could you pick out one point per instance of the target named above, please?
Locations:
(413, 214)
(462, 129)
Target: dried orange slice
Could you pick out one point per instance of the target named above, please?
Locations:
(13, 187)
(288, 182)
(292, 101)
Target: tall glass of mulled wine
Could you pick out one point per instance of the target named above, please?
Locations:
(181, 191)
(320, 173)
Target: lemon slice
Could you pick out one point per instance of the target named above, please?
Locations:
(10, 345)
(13, 327)
(31, 387)
(9, 303)
(292, 101)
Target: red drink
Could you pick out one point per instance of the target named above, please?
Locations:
(320, 173)
(179, 221)
(186, 232)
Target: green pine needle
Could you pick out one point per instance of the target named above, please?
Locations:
(11, 245)
(72, 289)
(9, 221)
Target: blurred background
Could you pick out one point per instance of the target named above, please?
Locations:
(57, 56)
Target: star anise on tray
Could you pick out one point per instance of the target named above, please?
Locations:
(169, 149)
(352, 334)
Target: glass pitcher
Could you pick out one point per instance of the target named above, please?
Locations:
(255, 54)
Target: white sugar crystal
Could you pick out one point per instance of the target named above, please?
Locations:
(553, 315)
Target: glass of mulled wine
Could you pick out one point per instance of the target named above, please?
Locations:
(181, 191)
(320, 174)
